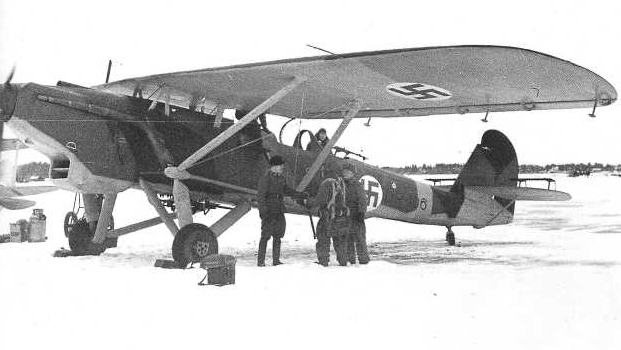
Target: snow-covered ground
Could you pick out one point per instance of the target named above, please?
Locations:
(550, 280)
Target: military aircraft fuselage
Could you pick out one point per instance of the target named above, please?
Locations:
(103, 143)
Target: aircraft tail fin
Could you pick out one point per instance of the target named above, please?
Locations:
(493, 163)
(488, 183)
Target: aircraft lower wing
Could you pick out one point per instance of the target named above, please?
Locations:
(522, 193)
(8, 194)
(395, 83)
(15, 203)
(21, 191)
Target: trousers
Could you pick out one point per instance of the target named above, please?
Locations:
(271, 228)
(322, 247)
(357, 243)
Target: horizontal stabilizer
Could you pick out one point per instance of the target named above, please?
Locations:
(15, 204)
(522, 193)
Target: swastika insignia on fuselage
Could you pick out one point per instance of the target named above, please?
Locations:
(373, 190)
(418, 91)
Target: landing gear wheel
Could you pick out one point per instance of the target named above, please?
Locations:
(81, 240)
(192, 243)
(450, 237)
(71, 219)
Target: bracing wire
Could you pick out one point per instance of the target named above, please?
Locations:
(230, 150)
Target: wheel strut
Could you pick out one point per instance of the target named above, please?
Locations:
(450, 236)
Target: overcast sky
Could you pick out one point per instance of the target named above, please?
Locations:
(72, 41)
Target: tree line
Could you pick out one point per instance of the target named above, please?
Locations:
(41, 169)
(455, 168)
(32, 170)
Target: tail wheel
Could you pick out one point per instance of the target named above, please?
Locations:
(71, 219)
(192, 243)
(81, 240)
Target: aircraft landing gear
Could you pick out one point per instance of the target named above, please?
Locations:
(71, 219)
(192, 243)
(450, 237)
(81, 240)
(80, 229)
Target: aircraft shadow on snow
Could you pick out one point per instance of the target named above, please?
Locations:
(413, 252)
(409, 252)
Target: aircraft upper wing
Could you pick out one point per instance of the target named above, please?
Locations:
(396, 83)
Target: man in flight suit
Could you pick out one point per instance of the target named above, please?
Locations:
(324, 199)
(357, 204)
(272, 189)
(322, 140)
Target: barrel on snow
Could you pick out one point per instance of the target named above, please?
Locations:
(31, 231)
(37, 226)
(19, 231)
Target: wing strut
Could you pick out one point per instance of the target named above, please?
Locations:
(180, 190)
(104, 218)
(321, 158)
(226, 134)
(230, 218)
(159, 208)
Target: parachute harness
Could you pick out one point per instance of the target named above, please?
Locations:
(338, 189)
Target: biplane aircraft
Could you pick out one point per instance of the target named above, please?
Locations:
(167, 135)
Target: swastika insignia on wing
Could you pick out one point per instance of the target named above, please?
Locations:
(418, 91)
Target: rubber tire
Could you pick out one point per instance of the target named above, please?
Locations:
(68, 226)
(81, 240)
(183, 251)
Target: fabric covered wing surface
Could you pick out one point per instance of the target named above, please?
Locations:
(425, 81)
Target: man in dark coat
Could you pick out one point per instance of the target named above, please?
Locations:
(357, 204)
(272, 189)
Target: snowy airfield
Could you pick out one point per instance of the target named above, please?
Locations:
(550, 280)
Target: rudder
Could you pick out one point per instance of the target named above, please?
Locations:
(493, 162)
